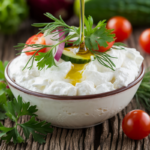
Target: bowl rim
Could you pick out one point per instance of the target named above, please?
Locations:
(65, 97)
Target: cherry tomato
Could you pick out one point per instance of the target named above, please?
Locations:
(122, 27)
(145, 40)
(103, 49)
(136, 124)
(35, 39)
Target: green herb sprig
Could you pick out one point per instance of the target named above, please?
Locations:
(5, 92)
(93, 37)
(142, 95)
(14, 110)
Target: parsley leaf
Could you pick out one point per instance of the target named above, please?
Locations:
(3, 100)
(10, 133)
(17, 108)
(4, 130)
(5, 92)
(35, 127)
(45, 59)
(99, 35)
(4, 89)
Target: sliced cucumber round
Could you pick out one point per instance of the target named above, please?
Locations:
(68, 55)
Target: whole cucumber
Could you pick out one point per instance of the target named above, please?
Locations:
(136, 11)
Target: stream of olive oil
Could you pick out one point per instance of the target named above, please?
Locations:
(75, 74)
(82, 47)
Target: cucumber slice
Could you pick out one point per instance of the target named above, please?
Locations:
(68, 55)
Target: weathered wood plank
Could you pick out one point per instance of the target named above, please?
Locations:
(89, 138)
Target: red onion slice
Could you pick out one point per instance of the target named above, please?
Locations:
(60, 47)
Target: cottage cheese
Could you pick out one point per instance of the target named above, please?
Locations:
(95, 78)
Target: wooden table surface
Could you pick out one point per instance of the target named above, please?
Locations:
(106, 136)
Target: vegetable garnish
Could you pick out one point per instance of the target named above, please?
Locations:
(60, 46)
(35, 39)
(136, 124)
(122, 27)
(14, 110)
(94, 37)
(144, 40)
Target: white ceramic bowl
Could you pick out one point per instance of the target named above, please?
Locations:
(77, 111)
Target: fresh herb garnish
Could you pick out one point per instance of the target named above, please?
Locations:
(2, 69)
(14, 110)
(119, 44)
(143, 93)
(38, 47)
(5, 92)
(93, 37)
(99, 36)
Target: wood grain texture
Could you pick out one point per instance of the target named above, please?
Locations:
(106, 136)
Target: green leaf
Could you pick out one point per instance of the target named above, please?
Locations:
(38, 129)
(2, 115)
(4, 130)
(3, 100)
(119, 44)
(7, 91)
(89, 25)
(16, 108)
(45, 60)
(2, 77)
(1, 66)
(2, 88)
(5, 64)
(10, 111)
(13, 134)
(99, 36)
(77, 42)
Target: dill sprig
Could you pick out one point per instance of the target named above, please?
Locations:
(104, 59)
(43, 59)
(143, 93)
(37, 47)
(59, 25)
(93, 37)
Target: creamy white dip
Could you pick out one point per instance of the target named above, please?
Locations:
(95, 78)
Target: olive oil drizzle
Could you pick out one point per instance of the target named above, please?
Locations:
(75, 74)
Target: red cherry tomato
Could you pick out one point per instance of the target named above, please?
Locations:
(103, 49)
(35, 39)
(122, 27)
(145, 40)
(136, 124)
